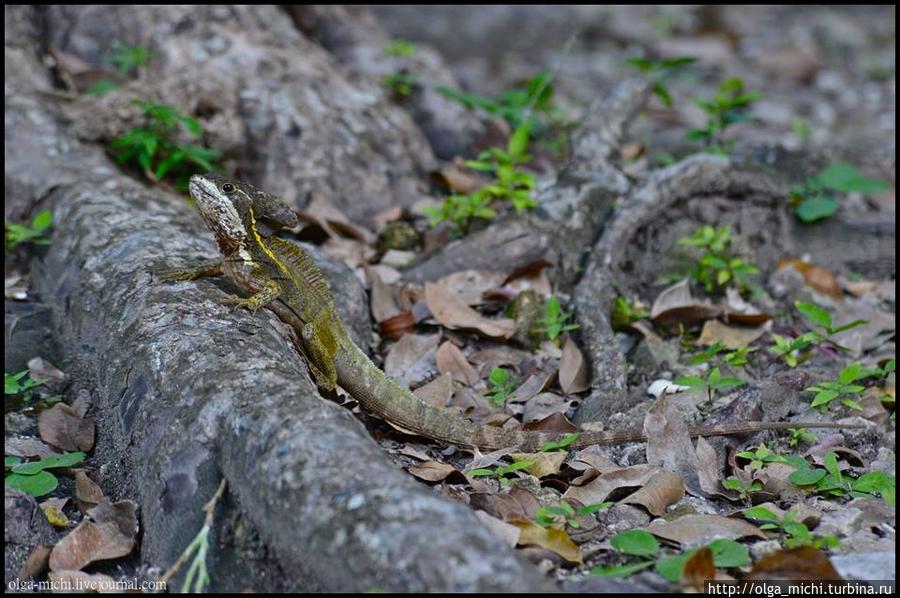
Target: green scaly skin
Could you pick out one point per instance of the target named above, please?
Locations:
(280, 276)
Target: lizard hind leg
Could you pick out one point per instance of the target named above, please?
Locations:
(320, 349)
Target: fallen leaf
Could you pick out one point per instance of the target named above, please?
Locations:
(453, 312)
(733, 337)
(542, 464)
(818, 278)
(394, 328)
(507, 532)
(108, 532)
(36, 564)
(797, 564)
(669, 443)
(470, 285)
(532, 386)
(410, 360)
(381, 302)
(699, 569)
(324, 213)
(436, 393)
(53, 511)
(555, 422)
(41, 369)
(554, 540)
(458, 179)
(573, 370)
(435, 471)
(61, 427)
(545, 405)
(88, 493)
(28, 447)
(411, 451)
(663, 489)
(696, 529)
(625, 479)
(450, 360)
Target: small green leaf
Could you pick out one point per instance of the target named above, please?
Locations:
(671, 567)
(760, 514)
(39, 484)
(814, 313)
(728, 553)
(807, 477)
(636, 542)
(620, 570)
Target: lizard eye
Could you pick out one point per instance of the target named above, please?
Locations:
(227, 187)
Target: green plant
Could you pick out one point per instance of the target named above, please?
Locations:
(841, 389)
(461, 210)
(707, 354)
(794, 533)
(555, 321)
(660, 72)
(713, 382)
(789, 348)
(127, 58)
(564, 514)
(400, 47)
(729, 106)
(643, 545)
(501, 471)
(831, 481)
(625, 313)
(817, 197)
(20, 384)
(559, 445)
(801, 129)
(532, 104)
(738, 357)
(157, 149)
(33, 233)
(32, 476)
(746, 488)
(401, 83)
(718, 264)
(512, 184)
(820, 317)
(502, 386)
(799, 435)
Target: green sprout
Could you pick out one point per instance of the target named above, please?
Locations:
(660, 72)
(729, 106)
(555, 321)
(817, 197)
(31, 233)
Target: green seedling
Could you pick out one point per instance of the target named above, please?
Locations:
(502, 386)
(157, 148)
(20, 384)
(128, 58)
(559, 445)
(645, 549)
(401, 48)
(402, 83)
(817, 197)
(565, 515)
(831, 481)
(738, 357)
(501, 471)
(32, 476)
(790, 348)
(718, 265)
(794, 534)
(729, 106)
(624, 314)
(660, 72)
(707, 354)
(842, 390)
(512, 184)
(713, 382)
(555, 321)
(799, 435)
(29, 233)
(532, 104)
(821, 318)
(746, 488)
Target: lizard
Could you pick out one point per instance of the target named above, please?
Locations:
(279, 275)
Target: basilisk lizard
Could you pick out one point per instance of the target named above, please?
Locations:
(279, 275)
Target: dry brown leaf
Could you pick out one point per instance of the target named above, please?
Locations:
(411, 451)
(555, 422)
(458, 179)
(329, 217)
(669, 443)
(410, 360)
(554, 540)
(507, 532)
(699, 569)
(675, 307)
(542, 464)
(818, 278)
(797, 564)
(598, 489)
(450, 360)
(451, 311)
(36, 564)
(109, 532)
(695, 529)
(663, 489)
(873, 407)
(381, 301)
(28, 447)
(733, 337)
(394, 328)
(431, 471)
(41, 369)
(61, 427)
(470, 285)
(436, 393)
(88, 493)
(545, 405)
(573, 370)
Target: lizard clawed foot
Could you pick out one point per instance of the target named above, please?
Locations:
(241, 302)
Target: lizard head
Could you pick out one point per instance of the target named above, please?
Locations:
(226, 203)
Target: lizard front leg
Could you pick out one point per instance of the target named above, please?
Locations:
(266, 295)
(201, 270)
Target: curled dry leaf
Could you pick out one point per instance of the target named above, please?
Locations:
(797, 564)
(108, 532)
(533, 385)
(573, 370)
(458, 179)
(733, 337)
(695, 529)
(663, 489)
(818, 278)
(451, 311)
(435, 471)
(61, 427)
(669, 443)
(554, 540)
(675, 307)
(450, 360)
(28, 447)
(542, 464)
(546, 405)
(394, 328)
(699, 569)
(41, 369)
(470, 285)
(36, 564)
(555, 422)
(622, 479)
(381, 301)
(325, 214)
(88, 493)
